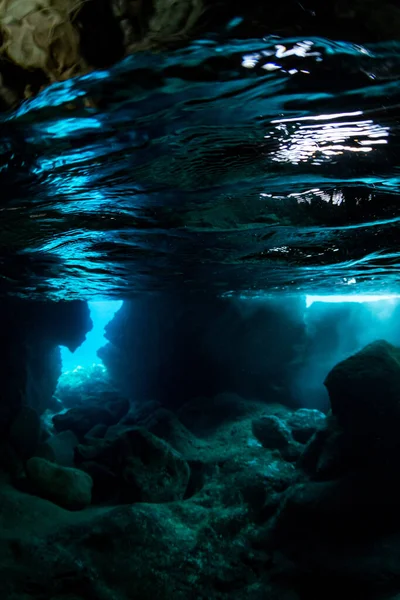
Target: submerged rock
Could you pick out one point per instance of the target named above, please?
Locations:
(60, 448)
(274, 434)
(139, 412)
(364, 391)
(82, 419)
(98, 431)
(70, 488)
(165, 425)
(25, 432)
(304, 423)
(155, 472)
(204, 415)
(147, 468)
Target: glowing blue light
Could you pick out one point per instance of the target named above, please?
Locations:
(350, 298)
(86, 355)
(235, 22)
(67, 127)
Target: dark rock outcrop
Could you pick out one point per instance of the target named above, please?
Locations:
(274, 434)
(30, 362)
(108, 410)
(350, 501)
(215, 501)
(175, 351)
(60, 448)
(68, 487)
(24, 434)
(145, 468)
(205, 415)
(304, 422)
(57, 41)
(364, 392)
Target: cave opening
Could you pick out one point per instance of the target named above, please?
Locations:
(101, 313)
(84, 365)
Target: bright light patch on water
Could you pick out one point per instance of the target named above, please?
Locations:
(67, 127)
(319, 138)
(85, 356)
(303, 49)
(359, 298)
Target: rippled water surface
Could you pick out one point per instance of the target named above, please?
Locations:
(261, 165)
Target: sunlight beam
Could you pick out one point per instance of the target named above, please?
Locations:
(101, 313)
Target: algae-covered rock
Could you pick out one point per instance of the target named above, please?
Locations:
(70, 488)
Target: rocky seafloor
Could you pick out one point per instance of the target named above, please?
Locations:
(221, 498)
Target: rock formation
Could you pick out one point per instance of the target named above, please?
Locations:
(173, 351)
(53, 40)
(221, 494)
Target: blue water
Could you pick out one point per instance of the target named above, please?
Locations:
(101, 313)
(264, 165)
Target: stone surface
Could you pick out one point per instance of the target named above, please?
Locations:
(155, 472)
(212, 505)
(175, 351)
(140, 411)
(98, 431)
(165, 425)
(25, 432)
(70, 488)
(31, 363)
(60, 448)
(364, 392)
(82, 419)
(273, 433)
(205, 415)
(147, 469)
(249, 524)
(90, 386)
(304, 423)
(106, 485)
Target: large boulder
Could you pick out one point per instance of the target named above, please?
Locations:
(31, 362)
(81, 419)
(364, 392)
(25, 432)
(59, 448)
(155, 472)
(145, 467)
(69, 488)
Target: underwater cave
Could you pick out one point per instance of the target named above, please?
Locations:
(199, 300)
(257, 419)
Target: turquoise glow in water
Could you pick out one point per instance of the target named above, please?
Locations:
(360, 298)
(86, 355)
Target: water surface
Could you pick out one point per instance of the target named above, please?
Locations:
(264, 165)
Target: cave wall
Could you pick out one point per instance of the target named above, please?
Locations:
(334, 331)
(173, 349)
(30, 357)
